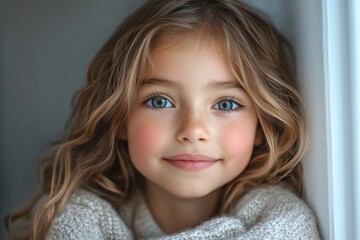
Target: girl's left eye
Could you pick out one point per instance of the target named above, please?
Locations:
(226, 105)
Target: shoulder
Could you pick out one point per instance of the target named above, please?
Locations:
(87, 216)
(276, 211)
(267, 197)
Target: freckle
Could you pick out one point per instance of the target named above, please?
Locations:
(188, 116)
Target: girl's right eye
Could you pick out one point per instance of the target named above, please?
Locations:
(158, 102)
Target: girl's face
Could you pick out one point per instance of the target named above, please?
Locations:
(193, 127)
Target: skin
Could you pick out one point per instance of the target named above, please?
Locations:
(194, 82)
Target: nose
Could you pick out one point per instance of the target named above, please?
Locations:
(193, 128)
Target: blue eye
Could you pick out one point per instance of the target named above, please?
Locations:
(158, 102)
(226, 105)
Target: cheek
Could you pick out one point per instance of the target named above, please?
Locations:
(144, 136)
(238, 140)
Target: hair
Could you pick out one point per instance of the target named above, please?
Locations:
(93, 156)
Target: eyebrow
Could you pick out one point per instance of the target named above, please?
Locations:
(160, 81)
(225, 85)
(230, 84)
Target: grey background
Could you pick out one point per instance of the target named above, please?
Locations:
(45, 47)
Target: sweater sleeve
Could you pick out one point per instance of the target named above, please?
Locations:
(276, 213)
(87, 216)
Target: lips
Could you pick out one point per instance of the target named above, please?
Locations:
(191, 162)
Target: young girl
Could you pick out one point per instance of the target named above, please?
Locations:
(189, 127)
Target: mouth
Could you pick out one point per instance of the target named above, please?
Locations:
(191, 162)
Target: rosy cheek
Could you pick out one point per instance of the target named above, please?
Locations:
(237, 141)
(146, 136)
(145, 139)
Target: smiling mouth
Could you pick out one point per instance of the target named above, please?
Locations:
(191, 162)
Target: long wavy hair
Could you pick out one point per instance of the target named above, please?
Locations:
(93, 156)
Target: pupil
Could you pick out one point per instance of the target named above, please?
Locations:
(225, 105)
(159, 102)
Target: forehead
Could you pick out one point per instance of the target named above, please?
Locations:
(190, 64)
(179, 43)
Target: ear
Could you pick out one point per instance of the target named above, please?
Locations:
(258, 137)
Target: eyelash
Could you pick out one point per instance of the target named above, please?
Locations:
(163, 96)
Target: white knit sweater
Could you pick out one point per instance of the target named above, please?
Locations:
(271, 212)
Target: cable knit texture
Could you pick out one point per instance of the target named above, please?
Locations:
(272, 212)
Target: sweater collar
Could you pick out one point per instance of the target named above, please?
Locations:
(139, 218)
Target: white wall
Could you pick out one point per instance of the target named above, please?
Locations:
(355, 85)
(342, 35)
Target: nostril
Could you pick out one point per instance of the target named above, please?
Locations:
(192, 136)
(202, 139)
(194, 139)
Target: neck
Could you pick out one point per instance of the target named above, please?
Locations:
(174, 214)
